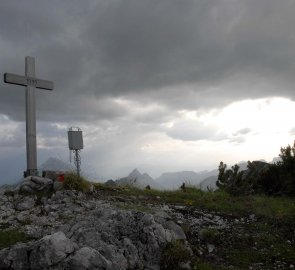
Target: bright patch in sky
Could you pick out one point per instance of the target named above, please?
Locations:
(245, 130)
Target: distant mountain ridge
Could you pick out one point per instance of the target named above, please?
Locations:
(209, 183)
(173, 180)
(136, 179)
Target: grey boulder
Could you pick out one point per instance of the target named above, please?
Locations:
(32, 184)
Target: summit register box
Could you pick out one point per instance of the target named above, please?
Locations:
(75, 139)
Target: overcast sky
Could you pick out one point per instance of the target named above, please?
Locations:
(161, 85)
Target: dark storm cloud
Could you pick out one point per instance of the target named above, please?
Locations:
(149, 44)
(184, 54)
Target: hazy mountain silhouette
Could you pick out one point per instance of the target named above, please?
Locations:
(209, 183)
(136, 179)
(173, 180)
(55, 164)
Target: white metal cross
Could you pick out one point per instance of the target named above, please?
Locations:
(30, 82)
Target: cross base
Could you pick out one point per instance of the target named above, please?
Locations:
(31, 172)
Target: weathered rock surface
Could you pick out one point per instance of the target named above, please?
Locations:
(45, 253)
(78, 232)
(32, 184)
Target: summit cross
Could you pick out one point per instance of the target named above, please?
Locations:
(30, 82)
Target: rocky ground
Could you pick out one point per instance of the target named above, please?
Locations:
(68, 229)
(77, 231)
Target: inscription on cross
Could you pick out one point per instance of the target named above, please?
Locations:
(27, 81)
(30, 82)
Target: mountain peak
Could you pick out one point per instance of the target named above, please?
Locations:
(139, 180)
(55, 164)
(135, 173)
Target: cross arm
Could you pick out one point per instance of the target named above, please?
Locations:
(27, 81)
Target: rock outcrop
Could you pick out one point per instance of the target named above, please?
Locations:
(32, 184)
(73, 231)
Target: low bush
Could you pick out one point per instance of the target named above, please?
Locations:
(209, 235)
(261, 178)
(175, 254)
(74, 182)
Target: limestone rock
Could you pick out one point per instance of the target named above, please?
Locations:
(177, 231)
(82, 232)
(16, 258)
(88, 258)
(51, 250)
(25, 203)
(32, 184)
(57, 185)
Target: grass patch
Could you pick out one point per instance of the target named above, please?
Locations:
(11, 237)
(206, 266)
(276, 207)
(74, 182)
(280, 208)
(101, 186)
(243, 258)
(258, 242)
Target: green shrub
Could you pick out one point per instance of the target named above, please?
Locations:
(280, 178)
(230, 180)
(209, 235)
(174, 254)
(74, 182)
(260, 177)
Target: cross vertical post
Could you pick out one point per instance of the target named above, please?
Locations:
(31, 139)
(31, 83)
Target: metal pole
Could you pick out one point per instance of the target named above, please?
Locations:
(31, 120)
(77, 161)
